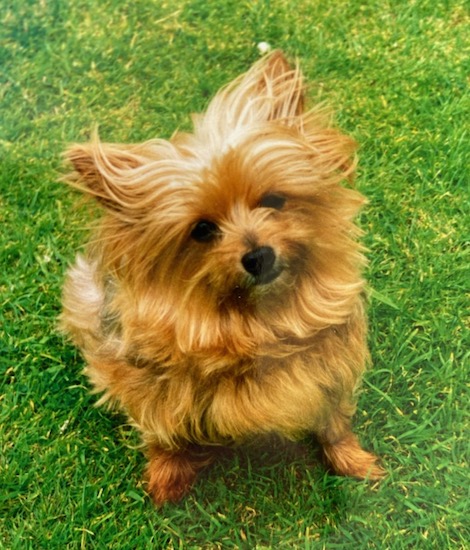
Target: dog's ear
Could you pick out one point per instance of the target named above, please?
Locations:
(107, 172)
(270, 91)
(279, 83)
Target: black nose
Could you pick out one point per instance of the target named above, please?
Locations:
(260, 261)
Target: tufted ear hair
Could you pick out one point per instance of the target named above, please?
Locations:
(122, 178)
(270, 91)
(278, 80)
(97, 166)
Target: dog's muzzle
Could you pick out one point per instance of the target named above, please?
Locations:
(260, 263)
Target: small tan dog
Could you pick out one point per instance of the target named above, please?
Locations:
(221, 297)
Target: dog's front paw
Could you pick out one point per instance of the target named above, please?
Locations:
(347, 458)
(171, 475)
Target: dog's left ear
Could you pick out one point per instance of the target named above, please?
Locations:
(279, 83)
(270, 91)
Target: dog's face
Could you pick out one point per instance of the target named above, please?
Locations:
(251, 226)
(247, 209)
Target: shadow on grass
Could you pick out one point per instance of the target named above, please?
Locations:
(258, 494)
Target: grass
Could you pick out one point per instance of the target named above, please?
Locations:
(397, 73)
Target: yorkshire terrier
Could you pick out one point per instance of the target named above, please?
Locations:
(222, 297)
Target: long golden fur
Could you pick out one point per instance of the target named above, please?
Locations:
(221, 296)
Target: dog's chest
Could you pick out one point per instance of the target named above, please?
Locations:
(283, 398)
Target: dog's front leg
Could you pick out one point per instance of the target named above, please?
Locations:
(343, 452)
(171, 474)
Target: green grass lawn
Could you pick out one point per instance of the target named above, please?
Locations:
(396, 72)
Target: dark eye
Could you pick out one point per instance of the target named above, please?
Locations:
(272, 201)
(204, 231)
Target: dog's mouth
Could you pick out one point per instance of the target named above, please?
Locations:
(255, 288)
(266, 277)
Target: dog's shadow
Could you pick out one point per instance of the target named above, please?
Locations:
(268, 482)
(259, 485)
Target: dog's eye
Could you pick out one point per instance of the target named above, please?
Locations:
(273, 201)
(204, 231)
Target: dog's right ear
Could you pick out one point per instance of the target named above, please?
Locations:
(98, 167)
(108, 172)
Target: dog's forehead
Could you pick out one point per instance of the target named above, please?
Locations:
(216, 179)
(228, 183)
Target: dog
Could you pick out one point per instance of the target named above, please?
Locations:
(221, 297)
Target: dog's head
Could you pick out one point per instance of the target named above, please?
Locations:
(246, 214)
